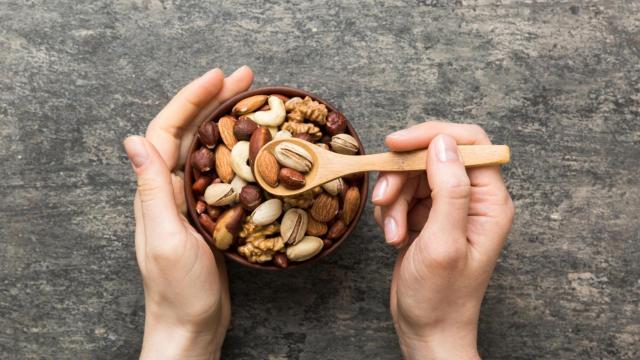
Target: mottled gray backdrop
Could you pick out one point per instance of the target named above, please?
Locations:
(559, 81)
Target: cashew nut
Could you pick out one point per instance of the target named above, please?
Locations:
(272, 117)
(239, 158)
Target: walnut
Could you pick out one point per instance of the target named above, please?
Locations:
(303, 200)
(313, 110)
(299, 110)
(295, 116)
(259, 248)
(296, 128)
(252, 231)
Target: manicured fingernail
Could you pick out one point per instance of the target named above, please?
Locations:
(380, 189)
(390, 229)
(239, 69)
(136, 151)
(446, 149)
(210, 72)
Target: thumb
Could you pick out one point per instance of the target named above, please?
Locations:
(450, 193)
(159, 211)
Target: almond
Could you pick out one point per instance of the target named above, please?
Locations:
(223, 163)
(315, 228)
(325, 208)
(269, 169)
(225, 128)
(258, 139)
(351, 204)
(249, 104)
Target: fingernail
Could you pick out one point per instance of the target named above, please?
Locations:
(380, 189)
(239, 69)
(446, 149)
(136, 151)
(400, 133)
(208, 73)
(390, 229)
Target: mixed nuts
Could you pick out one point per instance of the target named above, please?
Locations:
(241, 216)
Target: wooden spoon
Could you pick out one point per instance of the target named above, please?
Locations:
(328, 165)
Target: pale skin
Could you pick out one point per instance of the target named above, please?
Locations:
(449, 226)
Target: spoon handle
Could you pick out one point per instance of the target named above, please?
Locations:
(472, 155)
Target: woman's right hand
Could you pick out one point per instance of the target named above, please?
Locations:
(450, 225)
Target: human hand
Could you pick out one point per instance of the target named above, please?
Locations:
(187, 307)
(450, 225)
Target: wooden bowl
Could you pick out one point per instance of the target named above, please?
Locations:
(225, 109)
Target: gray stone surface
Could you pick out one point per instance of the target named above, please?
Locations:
(557, 80)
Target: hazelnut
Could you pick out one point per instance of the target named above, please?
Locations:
(203, 159)
(291, 179)
(243, 128)
(208, 133)
(326, 244)
(214, 212)
(250, 197)
(336, 123)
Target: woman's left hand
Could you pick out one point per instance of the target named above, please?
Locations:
(187, 307)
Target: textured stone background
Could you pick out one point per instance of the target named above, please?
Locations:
(557, 80)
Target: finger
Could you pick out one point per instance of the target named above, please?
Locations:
(239, 81)
(450, 191)
(395, 215)
(166, 129)
(418, 215)
(377, 215)
(423, 190)
(140, 233)
(421, 135)
(388, 187)
(157, 203)
(177, 181)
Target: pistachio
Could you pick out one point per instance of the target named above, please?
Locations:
(294, 225)
(334, 187)
(293, 156)
(344, 144)
(307, 248)
(239, 158)
(268, 212)
(237, 184)
(220, 194)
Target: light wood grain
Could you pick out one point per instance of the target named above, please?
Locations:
(328, 165)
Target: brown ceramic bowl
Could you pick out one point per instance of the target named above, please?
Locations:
(225, 109)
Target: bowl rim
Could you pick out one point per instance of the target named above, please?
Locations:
(224, 109)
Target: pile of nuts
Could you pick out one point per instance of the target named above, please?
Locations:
(239, 214)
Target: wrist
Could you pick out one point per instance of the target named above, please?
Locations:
(439, 342)
(179, 341)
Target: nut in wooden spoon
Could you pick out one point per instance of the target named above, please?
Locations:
(318, 166)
